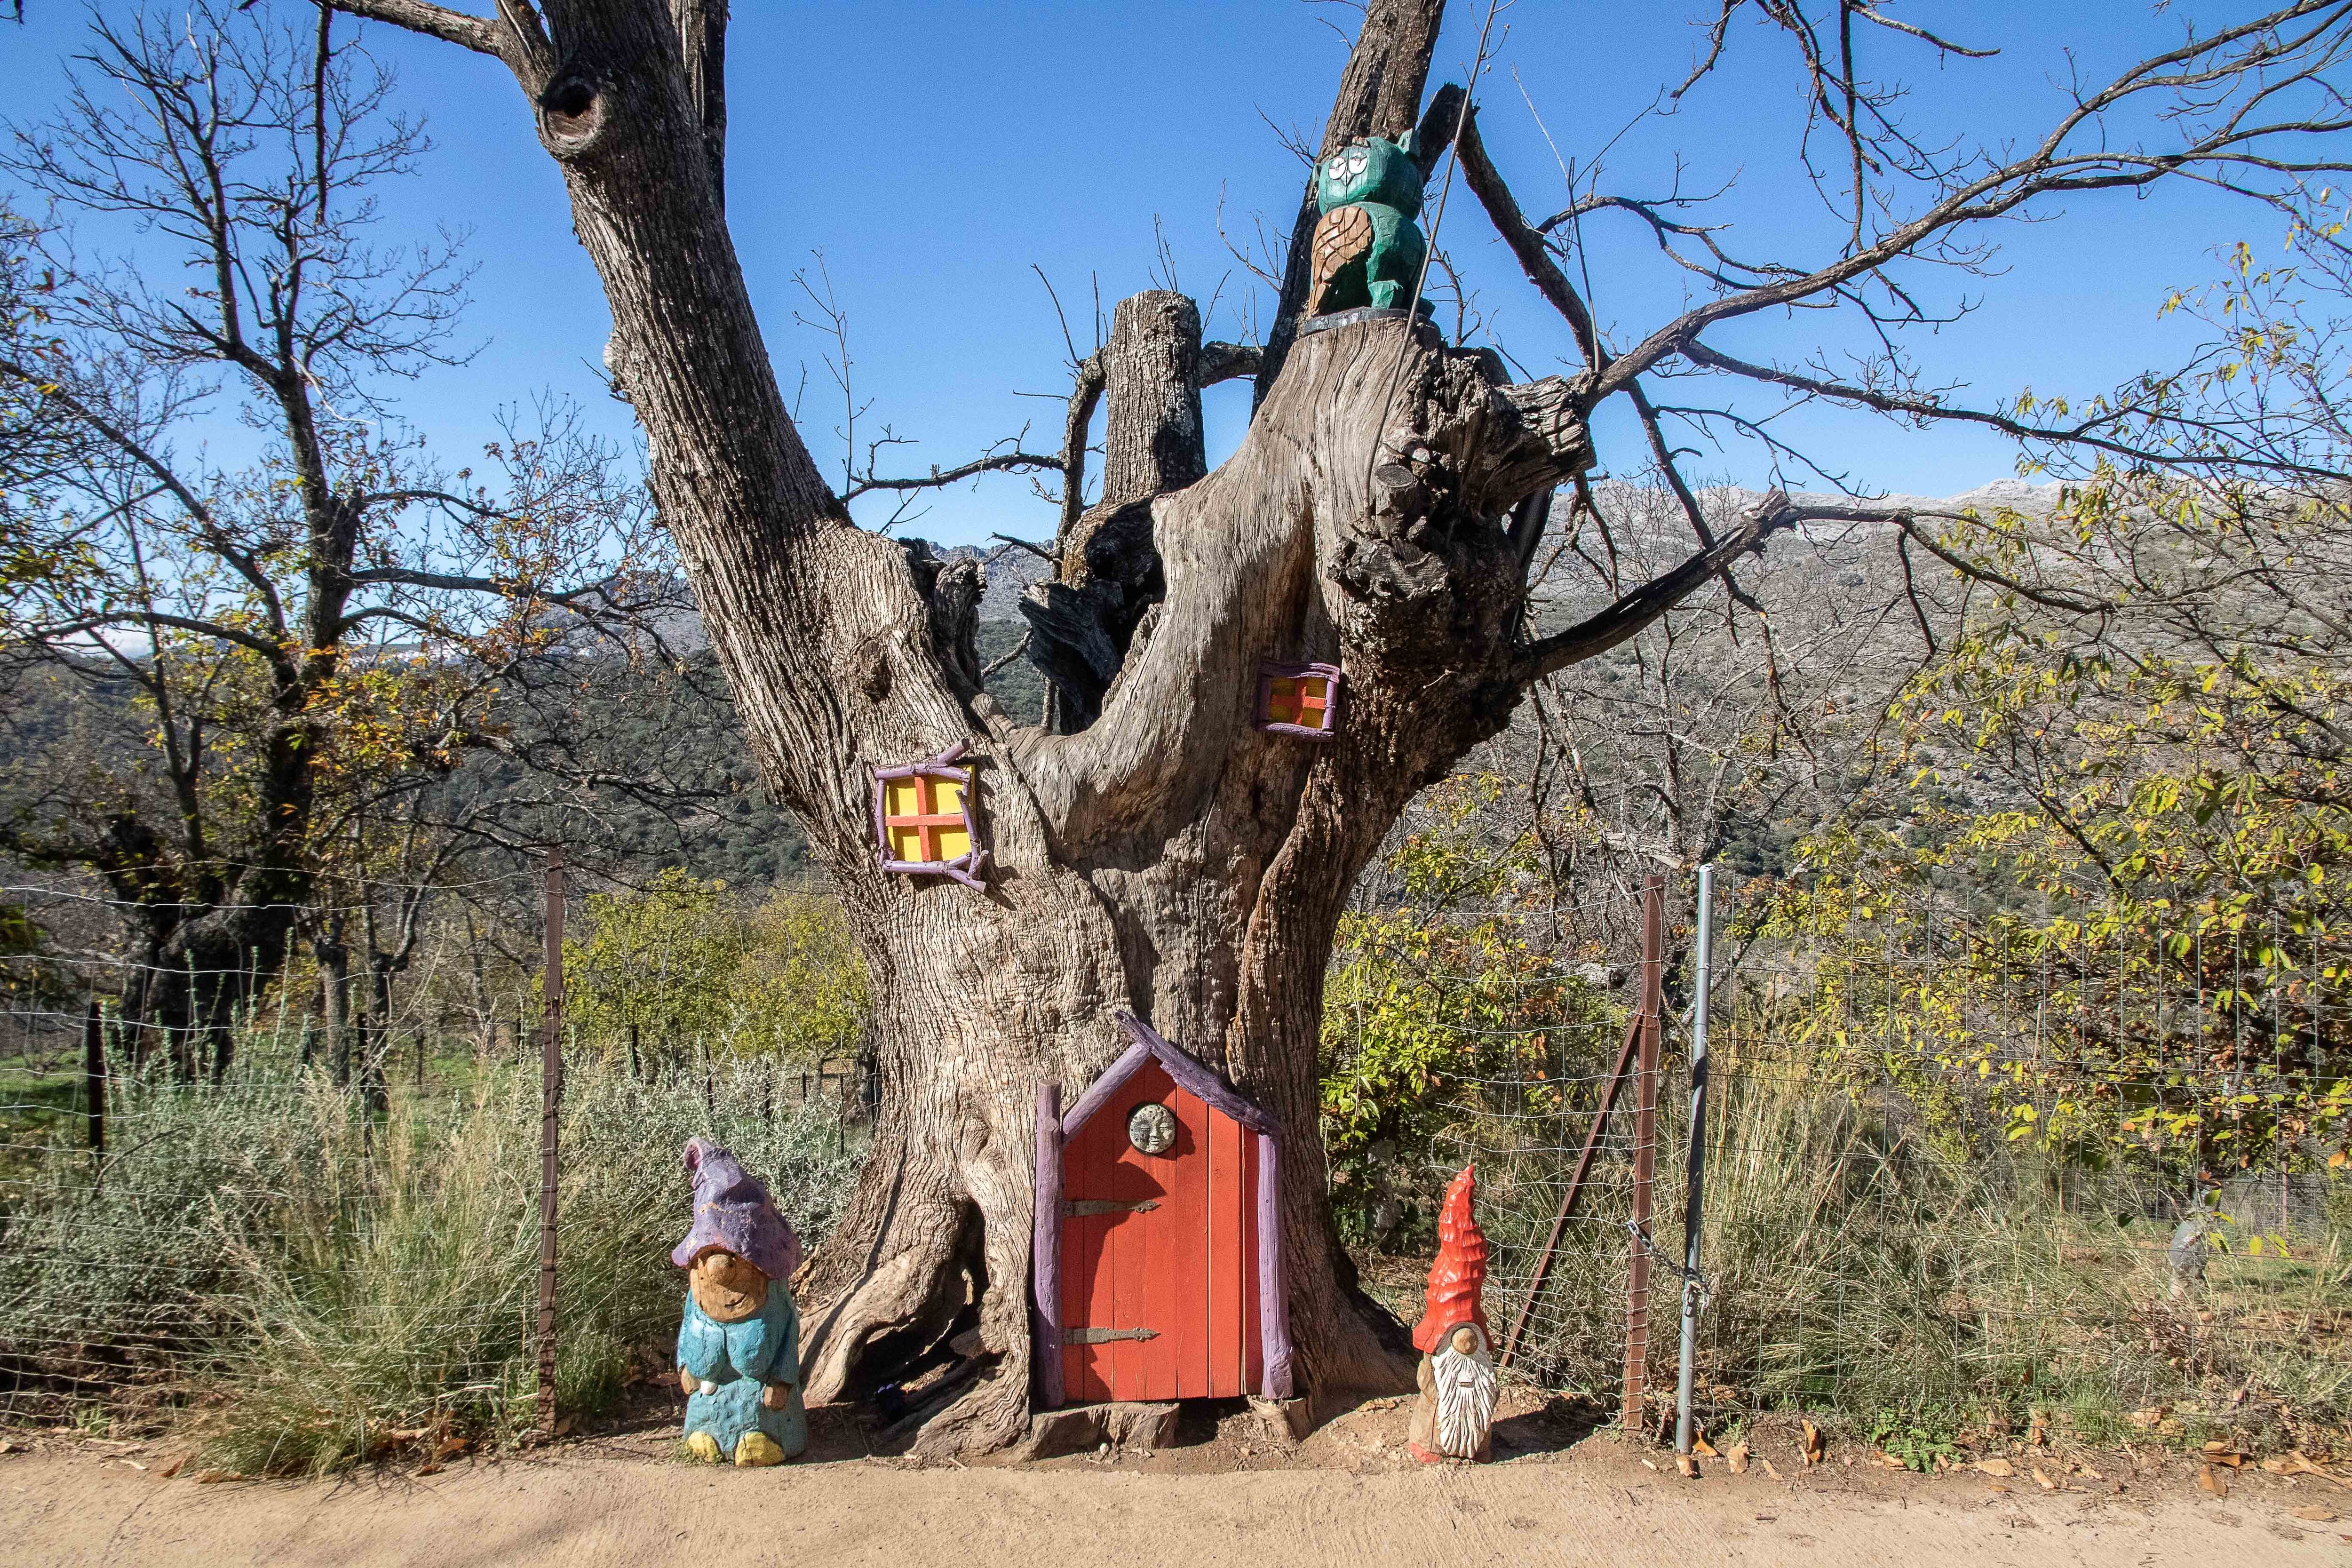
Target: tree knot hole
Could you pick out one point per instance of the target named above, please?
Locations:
(573, 108)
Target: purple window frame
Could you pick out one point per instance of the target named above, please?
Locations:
(1055, 1129)
(1271, 671)
(965, 868)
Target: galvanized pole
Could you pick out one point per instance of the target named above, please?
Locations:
(550, 1096)
(1702, 996)
(1645, 1150)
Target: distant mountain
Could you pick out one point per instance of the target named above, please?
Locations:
(1010, 569)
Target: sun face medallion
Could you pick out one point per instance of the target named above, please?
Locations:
(1151, 1127)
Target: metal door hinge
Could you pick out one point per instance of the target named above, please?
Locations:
(1078, 1208)
(1104, 1336)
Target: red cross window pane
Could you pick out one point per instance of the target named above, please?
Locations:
(924, 818)
(1298, 700)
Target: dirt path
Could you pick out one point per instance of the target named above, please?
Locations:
(1347, 1499)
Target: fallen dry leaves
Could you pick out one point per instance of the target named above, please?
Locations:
(2299, 1463)
(1995, 1466)
(2214, 1482)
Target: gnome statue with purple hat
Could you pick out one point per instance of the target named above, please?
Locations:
(739, 1352)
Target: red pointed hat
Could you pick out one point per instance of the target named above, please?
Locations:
(1460, 1271)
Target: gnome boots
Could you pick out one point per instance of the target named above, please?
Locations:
(758, 1448)
(751, 1449)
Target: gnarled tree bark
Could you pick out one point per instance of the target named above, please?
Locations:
(1166, 856)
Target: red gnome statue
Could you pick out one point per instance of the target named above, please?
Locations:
(1454, 1415)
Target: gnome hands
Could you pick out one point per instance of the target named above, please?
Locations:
(686, 1381)
(776, 1396)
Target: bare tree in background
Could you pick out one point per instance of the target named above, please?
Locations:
(1382, 512)
(291, 644)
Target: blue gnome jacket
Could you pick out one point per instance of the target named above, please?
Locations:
(738, 1358)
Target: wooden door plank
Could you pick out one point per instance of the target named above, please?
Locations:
(1077, 1275)
(1139, 1304)
(1188, 1236)
(1095, 1252)
(1224, 1257)
(1116, 1303)
(1130, 1178)
(1081, 1258)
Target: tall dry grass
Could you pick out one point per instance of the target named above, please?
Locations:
(1857, 1268)
(297, 1279)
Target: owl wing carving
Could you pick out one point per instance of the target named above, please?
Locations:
(1341, 235)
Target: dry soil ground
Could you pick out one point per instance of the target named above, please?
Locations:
(1224, 1495)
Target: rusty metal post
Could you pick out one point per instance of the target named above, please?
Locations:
(93, 1072)
(550, 1099)
(1646, 1148)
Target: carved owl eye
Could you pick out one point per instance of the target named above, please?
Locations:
(1357, 159)
(1337, 169)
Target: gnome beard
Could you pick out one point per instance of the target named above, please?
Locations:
(1462, 1384)
(1456, 1407)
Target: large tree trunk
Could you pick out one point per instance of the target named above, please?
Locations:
(1174, 859)
(1166, 856)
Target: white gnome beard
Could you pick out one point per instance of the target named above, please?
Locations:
(1464, 1386)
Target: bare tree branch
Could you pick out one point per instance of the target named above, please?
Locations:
(1599, 633)
(995, 463)
(477, 33)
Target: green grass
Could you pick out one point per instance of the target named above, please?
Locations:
(294, 1280)
(1881, 1281)
(41, 1108)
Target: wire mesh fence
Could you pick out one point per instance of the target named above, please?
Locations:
(327, 1227)
(1955, 1163)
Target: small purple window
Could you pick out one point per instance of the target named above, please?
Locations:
(924, 822)
(1300, 700)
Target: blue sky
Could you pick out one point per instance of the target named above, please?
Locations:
(937, 153)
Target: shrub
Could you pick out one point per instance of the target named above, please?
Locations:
(319, 1279)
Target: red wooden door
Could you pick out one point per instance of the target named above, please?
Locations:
(1160, 1253)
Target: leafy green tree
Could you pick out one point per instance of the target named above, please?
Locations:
(2130, 741)
(679, 967)
(1447, 1019)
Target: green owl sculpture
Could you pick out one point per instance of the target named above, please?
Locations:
(1368, 246)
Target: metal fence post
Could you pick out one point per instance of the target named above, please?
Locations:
(551, 1095)
(1646, 1149)
(1702, 998)
(93, 1072)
